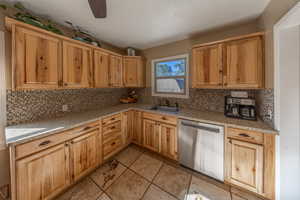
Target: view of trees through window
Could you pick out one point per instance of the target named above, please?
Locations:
(170, 76)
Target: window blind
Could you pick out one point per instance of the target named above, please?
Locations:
(2, 91)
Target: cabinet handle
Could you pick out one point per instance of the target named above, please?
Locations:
(164, 118)
(112, 144)
(44, 143)
(244, 135)
(113, 119)
(113, 127)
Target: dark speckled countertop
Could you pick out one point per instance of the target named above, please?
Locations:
(25, 132)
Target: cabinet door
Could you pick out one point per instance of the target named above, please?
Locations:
(77, 65)
(116, 71)
(151, 134)
(207, 67)
(246, 165)
(127, 127)
(244, 64)
(133, 72)
(84, 154)
(137, 132)
(101, 69)
(36, 60)
(169, 141)
(43, 175)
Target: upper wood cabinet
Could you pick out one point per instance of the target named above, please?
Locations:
(133, 71)
(84, 154)
(43, 175)
(101, 69)
(36, 60)
(207, 67)
(77, 65)
(244, 63)
(116, 71)
(232, 63)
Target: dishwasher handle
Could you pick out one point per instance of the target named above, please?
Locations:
(210, 129)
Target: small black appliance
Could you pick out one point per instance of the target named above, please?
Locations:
(242, 108)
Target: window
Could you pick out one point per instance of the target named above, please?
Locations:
(170, 77)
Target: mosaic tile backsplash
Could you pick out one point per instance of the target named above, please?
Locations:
(214, 100)
(27, 106)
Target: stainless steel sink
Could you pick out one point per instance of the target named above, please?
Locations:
(165, 109)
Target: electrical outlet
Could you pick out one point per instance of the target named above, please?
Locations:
(65, 108)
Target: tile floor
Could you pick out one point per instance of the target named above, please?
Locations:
(137, 174)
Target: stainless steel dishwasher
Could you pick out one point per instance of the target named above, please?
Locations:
(201, 147)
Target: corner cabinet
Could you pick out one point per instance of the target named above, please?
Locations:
(36, 59)
(43, 175)
(116, 67)
(133, 71)
(234, 63)
(77, 65)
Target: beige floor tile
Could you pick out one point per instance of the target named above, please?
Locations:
(107, 174)
(173, 180)
(84, 190)
(155, 193)
(129, 186)
(146, 166)
(129, 155)
(104, 197)
(208, 190)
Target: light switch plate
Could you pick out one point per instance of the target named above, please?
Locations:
(65, 108)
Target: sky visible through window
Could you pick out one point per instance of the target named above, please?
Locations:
(170, 68)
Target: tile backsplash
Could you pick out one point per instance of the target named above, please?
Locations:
(27, 106)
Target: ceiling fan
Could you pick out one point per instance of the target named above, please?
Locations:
(98, 8)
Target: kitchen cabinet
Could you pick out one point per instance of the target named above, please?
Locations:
(244, 63)
(77, 65)
(169, 141)
(43, 175)
(151, 135)
(207, 67)
(85, 154)
(133, 71)
(250, 161)
(231, 63)
(127, 127)
(101, 69)
(116, 71)
(36, 60)
(137, 130)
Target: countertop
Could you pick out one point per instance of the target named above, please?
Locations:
(25, 132)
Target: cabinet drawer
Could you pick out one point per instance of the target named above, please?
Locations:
(110, 135)
(37, 145)
(245, 135)
(112, 146)
(114, 127)
(161, 118)
(111, 119)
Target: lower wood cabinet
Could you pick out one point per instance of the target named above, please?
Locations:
(127, 127)
(43, 175)
(169, 141)
(84, 154)
(137, 130)
(151, 135)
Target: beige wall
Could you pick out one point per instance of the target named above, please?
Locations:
(185, 46)
(275, 10)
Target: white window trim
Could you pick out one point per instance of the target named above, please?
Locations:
(2, 92)
(186, 95)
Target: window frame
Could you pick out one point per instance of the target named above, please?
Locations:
(154, 78)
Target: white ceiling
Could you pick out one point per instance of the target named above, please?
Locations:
(148, 23)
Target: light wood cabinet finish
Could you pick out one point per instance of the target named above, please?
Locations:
(133, 71)
(43, 175)
(169, 141)
(116, 71)
(244, 63)
(84, 154)
(77, 65)
(111, 119)
(127, 127)
(160, 118)
(101, 69)
(137, 131)
(36, 60)
(151, 135)
(246, 165)
(207, 71)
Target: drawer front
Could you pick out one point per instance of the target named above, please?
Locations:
(114, 127)
(108, 136)
(111, 119)
(37, 145)
(245, 135)
(111, 147)
(161, 118)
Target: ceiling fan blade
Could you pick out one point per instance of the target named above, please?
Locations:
(98, 7)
